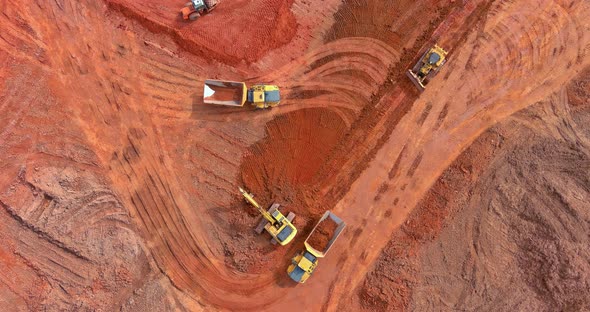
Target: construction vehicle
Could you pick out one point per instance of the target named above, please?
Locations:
(273, 221)
(305, 262)
(195, 8)
(233, 93)
(428, 66)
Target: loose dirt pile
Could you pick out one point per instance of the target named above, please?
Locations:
(295, 147)
(274, 170)
(323, 234)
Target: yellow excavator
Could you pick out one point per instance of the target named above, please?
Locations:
(427, 67)
(273, 221)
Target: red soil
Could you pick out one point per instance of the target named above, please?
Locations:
(322, 235)
(388, 286)
(235, 32)
(288, 158)
(135, 196)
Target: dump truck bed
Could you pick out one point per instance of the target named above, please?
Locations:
(229, 93)
(333, 231)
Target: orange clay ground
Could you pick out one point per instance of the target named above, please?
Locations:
(119, 187)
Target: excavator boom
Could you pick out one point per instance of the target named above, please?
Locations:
(250, 199)
(274, 222)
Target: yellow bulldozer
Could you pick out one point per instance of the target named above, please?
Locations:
(281, 228)
(234, 93)
(305, 262)
(428, 66)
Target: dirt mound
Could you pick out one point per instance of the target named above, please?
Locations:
(288, 158)
(322, 235)
(274, 170)
(236, 31)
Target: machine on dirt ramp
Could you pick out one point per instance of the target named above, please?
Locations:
(428, 66)
(195, 8)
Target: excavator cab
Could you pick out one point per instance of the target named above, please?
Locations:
(285, 232)
(198, 5)
(281, 228)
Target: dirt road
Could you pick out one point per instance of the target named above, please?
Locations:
(514, 200)
(103, 107)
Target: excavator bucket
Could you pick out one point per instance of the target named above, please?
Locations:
(229, 93)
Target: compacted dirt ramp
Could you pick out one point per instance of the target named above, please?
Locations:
(118, 181)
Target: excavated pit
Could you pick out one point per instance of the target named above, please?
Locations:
(296, 145)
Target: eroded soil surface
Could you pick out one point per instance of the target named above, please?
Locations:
(119, 187)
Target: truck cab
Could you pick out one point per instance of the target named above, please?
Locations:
(302, 266)
(195, 8)
(264, 96)
(199, 5)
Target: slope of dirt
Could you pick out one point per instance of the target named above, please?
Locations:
(388, 286)
(506, 225)
(67, 241)
(275, 169)
(234, 32)
(135, 196)
(289, 157)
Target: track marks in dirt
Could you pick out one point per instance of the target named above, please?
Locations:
(19, 39)
(57, 224)
(463, 122)
(172, 209)
(342, 76)
(509, 204)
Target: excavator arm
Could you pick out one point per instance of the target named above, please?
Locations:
(250, 199)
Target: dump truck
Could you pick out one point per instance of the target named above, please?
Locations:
(428, 66)
(233, 93)
(281, 228)
(318, 243)
(195, 8)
